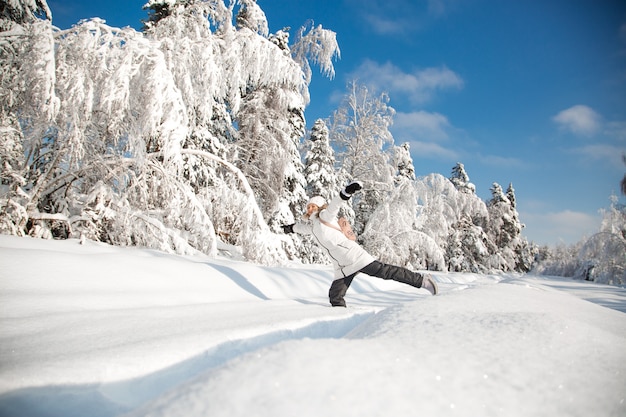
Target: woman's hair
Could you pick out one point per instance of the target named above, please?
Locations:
(306, 216)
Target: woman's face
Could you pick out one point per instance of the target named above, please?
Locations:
(311, 208)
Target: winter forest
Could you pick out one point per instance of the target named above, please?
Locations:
(190, 136)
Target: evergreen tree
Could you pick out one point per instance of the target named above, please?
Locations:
(510, 195)
(461, 180)
(468, 248)
(403, 161)
(505, 230)
(157, 10)
(20, 12)
(252, 17)
(319, 163)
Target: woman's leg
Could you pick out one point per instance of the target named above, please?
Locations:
(338, 290)
(396, 273)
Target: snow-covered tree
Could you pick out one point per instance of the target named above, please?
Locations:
(403, 161)
(602, 259)
(319, 163)
(504, 229)
(604, 254)
(461, 180)
(246, 80)
(359, 129)
(392, 234)
(28, 105)
(441, 206)
(468, 248)
(133, 139)
(251, 16)
(560, 260)
(614, 219)
(19, 12)
(318, 45)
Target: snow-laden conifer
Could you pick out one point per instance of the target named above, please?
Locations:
(468, 247)
(403, 162)
(319, 163)
(461, 180)
(504, 229)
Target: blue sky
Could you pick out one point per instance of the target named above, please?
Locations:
(530, 92)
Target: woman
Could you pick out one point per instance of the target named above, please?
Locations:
(347, 256)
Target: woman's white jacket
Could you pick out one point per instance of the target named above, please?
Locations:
(347, 256)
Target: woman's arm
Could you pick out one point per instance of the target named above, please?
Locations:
(302, 228)
(332, 211)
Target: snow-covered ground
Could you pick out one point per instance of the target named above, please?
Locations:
(94, 330)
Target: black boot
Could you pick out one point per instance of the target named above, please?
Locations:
(338, 290)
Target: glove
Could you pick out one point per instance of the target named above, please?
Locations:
(288, 228)
(350, 189)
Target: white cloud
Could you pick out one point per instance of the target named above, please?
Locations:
(401, 17)
(431, 135)
(605, 154)
(425, 132)
(580, 120)
(559, 227)
(385, 25)
(421, 125)
(433, 151)
(418, 86)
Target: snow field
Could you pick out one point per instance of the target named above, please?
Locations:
(105, 331)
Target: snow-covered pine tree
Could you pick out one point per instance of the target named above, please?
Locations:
(525, 252)
(504, 229)
(251, 16)
(403, 162)
(19, 12)
(319, 163)
(461, 180)
(359, 129)
(468, 247)
(321, 179)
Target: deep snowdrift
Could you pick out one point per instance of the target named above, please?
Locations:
(102, 331)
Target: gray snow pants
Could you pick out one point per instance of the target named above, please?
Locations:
(377, 269)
